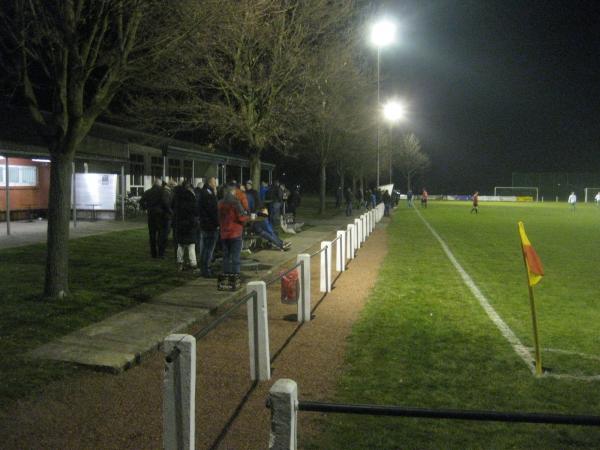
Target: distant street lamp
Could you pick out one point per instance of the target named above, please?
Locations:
(394, 111)
(383, 33)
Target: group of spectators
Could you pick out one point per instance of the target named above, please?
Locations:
(201, 217)
(359, 199)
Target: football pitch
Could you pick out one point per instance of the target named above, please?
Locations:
(449, 326)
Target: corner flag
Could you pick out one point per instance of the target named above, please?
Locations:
(535, 271)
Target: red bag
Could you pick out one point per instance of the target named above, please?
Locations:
(290, 288)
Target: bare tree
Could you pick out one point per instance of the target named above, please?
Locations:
(70, 58)
(252, 68)
(410, 159)
(335, 97)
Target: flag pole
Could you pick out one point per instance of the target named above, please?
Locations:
(536, 340)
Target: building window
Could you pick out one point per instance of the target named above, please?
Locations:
(174, 169)
(136, 174)
(187, 169)
(156, 167)
(19, 176)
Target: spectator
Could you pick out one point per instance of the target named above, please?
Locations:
(348, 197)
(264, 187)
(385, 197)
(294, 201)
(186, 220)
(265, 230)
(367, 199)
(232, 217)
(359, 198)
(209, 225)
(252, 197)
(151, 202)
(338, 197)
(274, 195)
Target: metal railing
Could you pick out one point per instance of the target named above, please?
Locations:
(456, 414)
(284, 392)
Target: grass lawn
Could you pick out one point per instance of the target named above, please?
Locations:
(108, 273)
(424, 341)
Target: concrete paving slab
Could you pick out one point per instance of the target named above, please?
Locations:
(121, 341)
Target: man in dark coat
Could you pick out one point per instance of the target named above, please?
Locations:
(151, 202)
(209, 224)
(252, 197)
(348, 197)
(186, 221)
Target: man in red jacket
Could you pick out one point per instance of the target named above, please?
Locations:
(232, 217)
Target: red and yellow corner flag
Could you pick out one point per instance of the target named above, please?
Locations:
(535, 271)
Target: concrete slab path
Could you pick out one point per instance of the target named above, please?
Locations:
(27, 233)
(123, 340)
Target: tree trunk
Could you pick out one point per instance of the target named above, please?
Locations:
(354, 183)
(323, 180)
(59, 211)
(342, 178)
(408, 182)
(255, 169)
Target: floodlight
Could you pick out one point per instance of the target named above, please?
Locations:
(383, 33)
(394, 111)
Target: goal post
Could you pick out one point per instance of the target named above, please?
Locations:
(517, 191)
(590, 194)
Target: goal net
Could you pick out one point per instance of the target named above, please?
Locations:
(519, 193)
(590, 193)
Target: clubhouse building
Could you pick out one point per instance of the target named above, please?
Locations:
(111, 161)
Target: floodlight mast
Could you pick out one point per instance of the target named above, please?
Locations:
(394, 111)
(383, 33)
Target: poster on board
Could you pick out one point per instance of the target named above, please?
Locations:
(95, 191)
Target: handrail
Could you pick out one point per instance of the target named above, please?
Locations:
(400, 411)
(172, 355)
(317, 252)
(281, 275)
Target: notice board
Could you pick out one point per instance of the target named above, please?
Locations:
(95, 191)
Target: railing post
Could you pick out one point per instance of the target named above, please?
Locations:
(340, 251)
(325, 268)
(179, 392)
(283, 401)
(372, 220)
(350, 240)
(363, 224)
(358, 233)
(304, 297)
(258, 331)
(368, 223)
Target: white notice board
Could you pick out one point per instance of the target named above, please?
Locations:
(95, 191)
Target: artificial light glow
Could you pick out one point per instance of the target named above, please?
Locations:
(394, 111)
(383, 33)
(41, 160)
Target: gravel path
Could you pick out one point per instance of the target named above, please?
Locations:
(102, 411)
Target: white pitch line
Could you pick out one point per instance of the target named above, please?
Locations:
(508, 334)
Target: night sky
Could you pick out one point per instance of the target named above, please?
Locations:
(497, 86)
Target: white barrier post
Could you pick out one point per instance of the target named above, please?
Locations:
(350, 240)
(358, 233)
(179, 392)
(325, 268)
(258, 331)
(364, 226)
(283, 401)
(368, 223)
(340, 251)
(303, 314)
